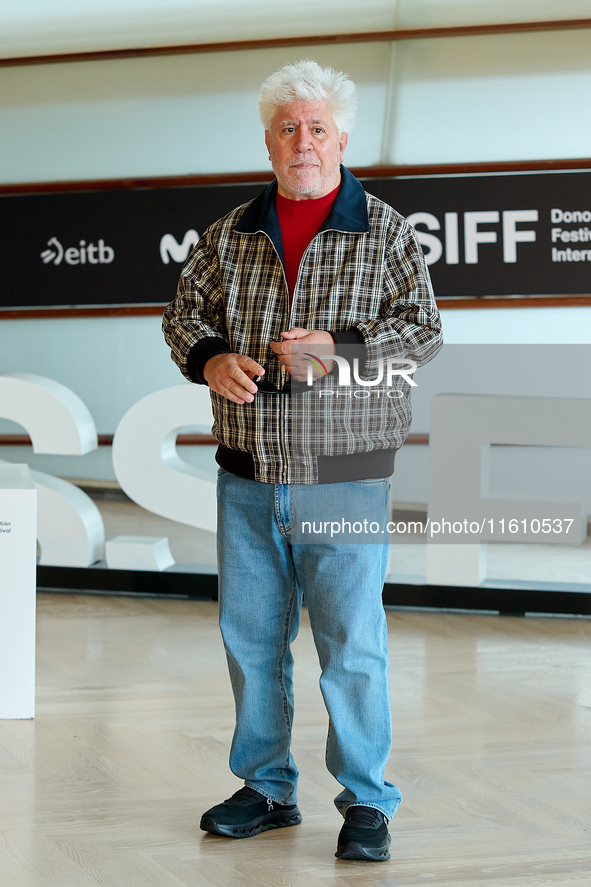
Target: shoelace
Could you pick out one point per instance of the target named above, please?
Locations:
(245, 795)
(362, 816)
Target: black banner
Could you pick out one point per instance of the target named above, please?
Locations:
(521, 234)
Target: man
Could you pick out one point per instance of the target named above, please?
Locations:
(316, 262)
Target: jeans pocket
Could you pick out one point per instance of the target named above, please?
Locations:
(371, 480)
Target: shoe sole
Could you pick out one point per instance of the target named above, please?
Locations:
(352, 850)
(249, 829)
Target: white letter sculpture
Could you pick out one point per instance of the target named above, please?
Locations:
(463, 428)
(70, 529)
(146, 461)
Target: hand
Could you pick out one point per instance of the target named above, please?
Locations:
(298, 344)
(231, 376)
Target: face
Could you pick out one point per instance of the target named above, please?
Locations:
(305, 150)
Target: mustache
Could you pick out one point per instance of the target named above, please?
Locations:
(308, 161)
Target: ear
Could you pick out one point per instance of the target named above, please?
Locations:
(268, 142)
(343, 142)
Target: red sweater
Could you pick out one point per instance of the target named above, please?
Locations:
(300, 221)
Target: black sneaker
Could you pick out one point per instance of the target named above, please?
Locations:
(364, 835)
(248, 813)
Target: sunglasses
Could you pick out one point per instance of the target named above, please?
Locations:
(265, 386)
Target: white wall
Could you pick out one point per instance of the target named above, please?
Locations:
(445, 13)
(162, 116)
(499, 97)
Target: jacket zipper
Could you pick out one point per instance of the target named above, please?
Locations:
(283, 413)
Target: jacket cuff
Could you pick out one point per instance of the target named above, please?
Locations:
(201, 352)
(349, 337)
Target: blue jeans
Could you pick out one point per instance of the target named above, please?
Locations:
(262, 576)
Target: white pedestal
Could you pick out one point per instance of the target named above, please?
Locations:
(18, 550)
(138, 553)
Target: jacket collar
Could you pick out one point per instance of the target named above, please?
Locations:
(348, 213)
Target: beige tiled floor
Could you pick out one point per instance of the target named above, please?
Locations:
(105, 788)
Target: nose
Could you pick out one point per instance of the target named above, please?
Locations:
(303, 140)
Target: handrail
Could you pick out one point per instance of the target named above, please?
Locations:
(183, 440)
(389, 36)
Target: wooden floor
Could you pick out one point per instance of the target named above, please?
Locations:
(492, 751)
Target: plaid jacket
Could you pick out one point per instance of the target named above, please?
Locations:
(362, 278)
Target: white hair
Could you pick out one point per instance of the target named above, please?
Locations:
(307, 81)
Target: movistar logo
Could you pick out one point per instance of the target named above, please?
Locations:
(84, 253)
(178, 252)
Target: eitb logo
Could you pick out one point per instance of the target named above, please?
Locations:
(84, 253)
